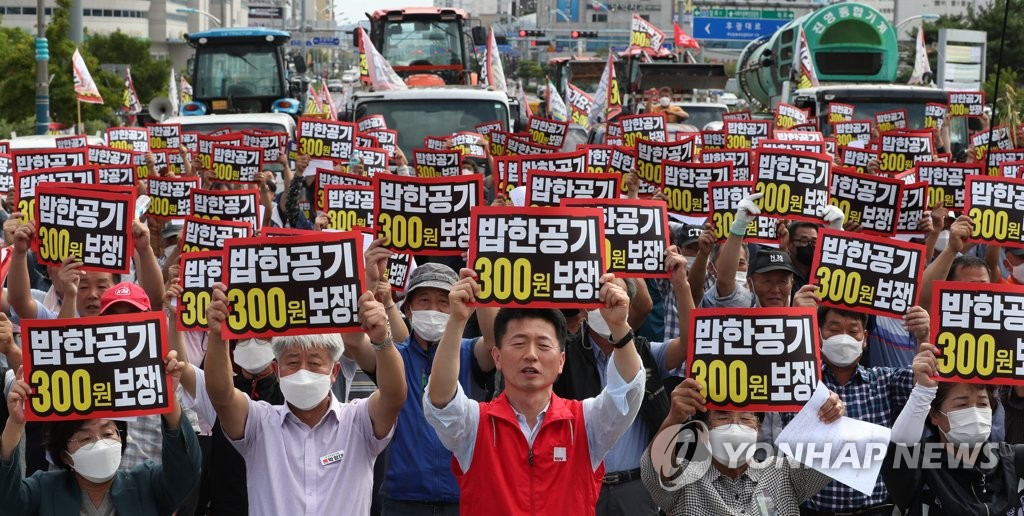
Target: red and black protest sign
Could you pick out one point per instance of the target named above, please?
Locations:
(348, 207)
(857, 159)
(489, 127)
(1007, 169)
(712, 140)
(947, 182)
(36, 159)
(6, 173)
(754, 359)
(205, 144)
(912, 208)
(164, 136)
(997, 137)
(371, 123)
(996, 206)
(498, 143)
(794, 184)
(598, 157)
(135, 139)
(293, 285)
(787, 116)
(839, 112)
(199, 271)
(171, 197)
(650, 156)
(547, 188)
(685, 185)
(546, 131)
(436, 163)
(997, 157)
(272, 143)
(90, 222)
(746, 134)
(236, 164)
(966, 103)
(891, 120)
(96, 367)
(399, 266)
(168, 160)
(325, 178)
(800, 133)
(537, 257)
(517, 145)
(723, 198)
(200, 235)
(374, 160)
(645, 126)
(240, 205)
(816, 147)
(512, 170)
(365, 140)
(613, 134)
(25, 184)
(469, 145)
(387, 139)
(739, 158)
(900, 151)
(190, 140)
(102, 155)
(425, 216)
(435, 143)
(935, 115)
(867, 274)
(737, 115)
(319, 138)
(636, 235)
(77, 141)
(852, 130)
(977, 330)
(5, 147)
(871, 201)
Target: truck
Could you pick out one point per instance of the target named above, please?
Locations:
(854, 53)
(241, 70)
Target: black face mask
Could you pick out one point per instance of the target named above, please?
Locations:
(805, 255)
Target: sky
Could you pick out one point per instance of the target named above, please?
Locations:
(352, 10)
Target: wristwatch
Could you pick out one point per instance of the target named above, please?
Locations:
(381, 346)
(624, 340)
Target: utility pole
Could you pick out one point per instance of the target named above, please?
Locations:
(42, 71)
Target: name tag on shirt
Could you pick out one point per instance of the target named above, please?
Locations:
(559, 454)
(331, 458)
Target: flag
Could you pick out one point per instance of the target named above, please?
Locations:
(682, 39)
(172, 93)
(130, 102)
(607, 103)
(806, 76)
(598, 6)
(186, 91)
(327, 102)
(313, 106)
(580, 106)
(379, 72)
(921, 64)
(85, 88)
(556, 106)
(645, 35)
(494, 72)
(521, 97)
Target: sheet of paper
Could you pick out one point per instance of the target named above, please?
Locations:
(849, 450)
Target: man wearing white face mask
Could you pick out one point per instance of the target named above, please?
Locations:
(419, 478)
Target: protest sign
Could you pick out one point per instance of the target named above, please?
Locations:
(645, 126)
(1006, 169)
(387, 139)
(891, 120)
(851, 131)
(6, 173)
(997, 137)
(171, 196)
(374, 160)
(469, 145)
(90, 222)
(746, 134)
(871, 201)
(787, 116)
(966, 103)
(25, 184)
(205, 144)
(739, 158)
(580, 105)
(271, 143)
(425, 216)
(800, 133)
(436, 163)
(512, 170)
(934, 115)
(486, 129)
(517, 145)
(498, 143)
(712, 140)
(912, 208)
(651, 155)
(598, 157)
(134, 139)
(35, 159)
(723, 198)
(240, 205)
(996, 158)
(899, 152)
(737, 115)
(399, 267)
(199, 271)
(367, 141)
(164, 136)
(839, 112)
(200, 235)
(348, 207)
(946, 181)
(320, 138)
(547, 131)
(102, 155)
(815, 147)
(794, 184)
(547, 188)
(71, 142)
(613, 134)
(326, 177)
(685, 185)
(636, 235)
(996, 206)
(236, 164)
(370, 123)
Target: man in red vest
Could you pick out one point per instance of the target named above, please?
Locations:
(529, 451)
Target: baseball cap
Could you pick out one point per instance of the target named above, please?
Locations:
(688, 234)
(125, 292)
(768, 260)
(171, 229)
(354, 160)
(1016, 251)
(431, 275)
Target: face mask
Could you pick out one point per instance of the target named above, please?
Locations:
(253, 355)
(305, 389)
(664, 101)
(969, 426)
(805, 254)
(1018, 273)
(98, 462)
(741, 277)
(429, 324)
(733, 444)
(596, 322)
(842, 350)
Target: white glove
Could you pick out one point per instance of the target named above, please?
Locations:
(833, 216)
(746, 212)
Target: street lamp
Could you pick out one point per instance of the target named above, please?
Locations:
(925, 16)
(193, 10)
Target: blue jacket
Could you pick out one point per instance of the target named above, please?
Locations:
(419, 466)
(148, 488)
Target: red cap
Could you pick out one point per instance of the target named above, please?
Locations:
(125, 292)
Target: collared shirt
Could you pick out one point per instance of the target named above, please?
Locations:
(606, 416)
(293, 469)
(875, 395)
(777, 484)
(145, 441)
(889, 343)
(668, 295)
(740, 297)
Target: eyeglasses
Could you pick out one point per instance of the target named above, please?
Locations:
(805, 242)
(91, 439)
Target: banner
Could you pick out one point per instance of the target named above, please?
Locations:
(645, 36)
(199, 235)
(685, 185)
(643, 127)
(636, 235)
(348, 207)
(425, 216)
(871, 201)
(867, 274)
(236, 164)
(996, 206)
(546, 131)
(171, 197)
(130, 102)
(740, 159)
(240, 205)
(746, 134)
(806, 75)
(90, 222)
(891, 120)
(493, 76)
(839, 112)
(379, 73)
(899, 152)
(754, 359)
(794, 184)
(128, 138)
(199, 271)
(547, 188)
(326, 138)
(85, 87)
(977, 329)
(537, 257)
(293, 285)
(946, 181)
(607, 102)
(921, 64)
(32, 160)
(966, 103)
(581, 104)
(723, 198)
(555, 103)
(852, 130)
(651, 156)
(436, 163)
(26, 183)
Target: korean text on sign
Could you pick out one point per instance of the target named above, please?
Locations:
(547, 188)
(209, 235)
(92, 223)
(199, 271)
(425, 216)
(996, 206)
(171, 197)
(723, 198)
(871, 201)
(636, 235)
(794, 184)
(240, 205)
(25, 184)
(348, 207)
(326, 138)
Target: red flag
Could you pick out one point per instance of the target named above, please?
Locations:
(682, 39)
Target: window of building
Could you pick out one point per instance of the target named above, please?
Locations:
(599, 18)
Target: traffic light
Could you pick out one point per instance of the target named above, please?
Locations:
(523, 33)
(577, 34)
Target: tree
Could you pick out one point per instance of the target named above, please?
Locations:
(150, 76)
(989, 18)
(19, 77)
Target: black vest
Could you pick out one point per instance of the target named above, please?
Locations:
(580, 379)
